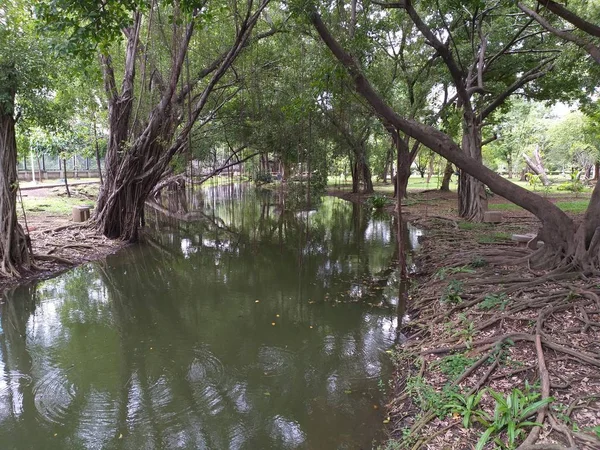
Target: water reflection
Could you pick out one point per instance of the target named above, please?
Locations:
(240, 324)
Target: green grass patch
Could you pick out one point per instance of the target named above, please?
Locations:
(53, 205)
(575, 206)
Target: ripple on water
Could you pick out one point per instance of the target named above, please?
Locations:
(275, 361)
(206, 368)
(98, 419)
(53, 394)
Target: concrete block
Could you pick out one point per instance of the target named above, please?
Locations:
(81, 213)
(492, 217)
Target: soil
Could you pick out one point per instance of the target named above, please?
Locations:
(58, 243)
(482, 321)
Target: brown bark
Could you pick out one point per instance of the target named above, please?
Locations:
(64, 161)
(472, 199)
(15, 254)
(132, 170)
(448, 171)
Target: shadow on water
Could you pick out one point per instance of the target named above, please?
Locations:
(247, 320)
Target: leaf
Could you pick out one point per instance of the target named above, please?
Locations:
(386, 420)
(484, 438)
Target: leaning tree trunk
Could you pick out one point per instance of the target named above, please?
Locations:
(14, 252)
(472, 200)
(567, 246)
(448, 171)
(537, 166)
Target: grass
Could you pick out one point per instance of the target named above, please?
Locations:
(53, 205)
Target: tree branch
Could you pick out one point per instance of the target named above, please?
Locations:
(593, 50)
(571, 17)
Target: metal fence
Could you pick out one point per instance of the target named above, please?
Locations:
(49, 163)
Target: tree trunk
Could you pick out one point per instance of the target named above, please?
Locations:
(355, 177)
(97, 151)
(14, 252)
(448, 171)
(596, 170)
(509, 166)
(472, 199)
(367, 177)
(567, 246)
(65, 177)
(537, 166)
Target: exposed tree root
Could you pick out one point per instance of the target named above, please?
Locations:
(509, 326)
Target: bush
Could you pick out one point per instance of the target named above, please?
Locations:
(378, 201)
(263, 178)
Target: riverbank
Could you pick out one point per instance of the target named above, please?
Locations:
(58, 243)
(492, 347)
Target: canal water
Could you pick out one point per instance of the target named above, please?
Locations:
(247, 320)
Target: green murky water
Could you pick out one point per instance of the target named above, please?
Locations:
(244, 322)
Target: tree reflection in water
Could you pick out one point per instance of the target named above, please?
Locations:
(170, 344)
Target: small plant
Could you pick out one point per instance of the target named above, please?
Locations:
(467, 330)
(452, 292)
(575, 185)
(428, 398)
(454, 365)
(511, 414)
(468, 407)
(478, 262)
(533, 180)
(493, 300)
(378, 201)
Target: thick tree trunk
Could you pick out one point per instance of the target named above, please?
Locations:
(367, 177)
(472, 200)
(596, 170)
(14, 252)
(448, 171)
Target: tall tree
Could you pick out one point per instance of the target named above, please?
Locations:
(160, 81)
(568, 246)
(22, 79)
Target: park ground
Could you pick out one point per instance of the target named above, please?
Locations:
(483, 331)
(492, 346)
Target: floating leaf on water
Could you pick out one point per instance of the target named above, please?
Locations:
(310, 326)
(276, 315)
(268, 394)
(121, 436)
(256, 301)
(348, 391)
(273, 323)
(387, 420)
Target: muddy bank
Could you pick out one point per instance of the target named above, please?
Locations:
(494, 348)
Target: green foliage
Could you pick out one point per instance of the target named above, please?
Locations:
(533, 179)
(452, 292)
(478, 262)
(378, 201)
(428, 398)
(454, 365)
(263, 178)
(467, 407)
(574, 185)
(494, 300)
(511, 415)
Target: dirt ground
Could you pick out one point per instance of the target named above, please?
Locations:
(487, 330)
(57, 243)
